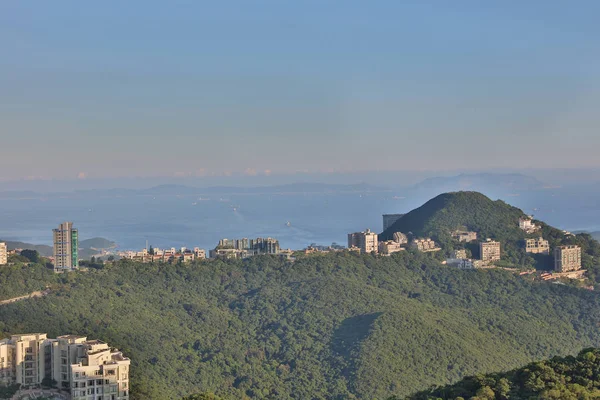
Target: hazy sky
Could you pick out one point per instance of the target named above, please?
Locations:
(129, 88)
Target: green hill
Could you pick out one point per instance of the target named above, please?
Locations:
(461, 210)
(490, 219)
(44, 250)
(558, 378)
(340, 326)
(97, 243)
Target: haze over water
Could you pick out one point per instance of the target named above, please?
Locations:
(322, 218)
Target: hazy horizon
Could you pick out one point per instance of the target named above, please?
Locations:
(200, 89)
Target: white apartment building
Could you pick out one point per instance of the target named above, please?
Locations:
(365, 241)
(90, 369)
(567, 258)
(489, 250)
(3, 254)
(537, 246)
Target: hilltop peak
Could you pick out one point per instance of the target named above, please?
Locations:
(459, 210)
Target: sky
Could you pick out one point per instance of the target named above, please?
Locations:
(93, 90)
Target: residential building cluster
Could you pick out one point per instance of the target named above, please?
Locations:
(425, 245)
(243, 248)
(89, 369)
(167, 255)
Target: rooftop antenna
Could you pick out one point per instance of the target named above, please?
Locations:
(146, 244)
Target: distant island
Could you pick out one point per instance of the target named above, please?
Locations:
(87, 248)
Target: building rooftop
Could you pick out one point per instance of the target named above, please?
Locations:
(71, 337)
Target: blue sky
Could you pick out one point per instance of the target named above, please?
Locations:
(144, 88)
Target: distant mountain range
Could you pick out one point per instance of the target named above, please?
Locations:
(489, 183)
(481, 182)
(595, 235)
(87, 247)
(183, 190)
(44, 250)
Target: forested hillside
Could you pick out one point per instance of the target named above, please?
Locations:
(326, 327)
(569, 378)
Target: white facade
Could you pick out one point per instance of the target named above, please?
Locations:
(365, 241)
(489, 251)
(3, 254)
(90, 369)
(527, 224)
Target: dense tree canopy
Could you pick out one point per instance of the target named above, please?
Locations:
(337, 326)
(569, 378)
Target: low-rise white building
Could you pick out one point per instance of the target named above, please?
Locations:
(389, 247)
(526, 224)
(425, 245)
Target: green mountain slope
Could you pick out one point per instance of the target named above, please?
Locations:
(44, 250)
(490, 219)
(461, 210)
(558, 378)
(97, 243)
(341, 326)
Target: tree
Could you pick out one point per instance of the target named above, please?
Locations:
(151, 251)
(202, 396)
(31, 255)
